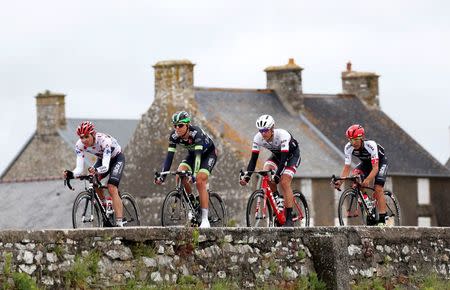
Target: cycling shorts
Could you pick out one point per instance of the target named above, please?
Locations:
(292, 163)
(364, 169)
(208, 160)
(115, 170)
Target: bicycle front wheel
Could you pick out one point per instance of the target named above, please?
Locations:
(174, 211)
(350, 209)
(86, 212)
(217, 215)
(131, 213)
(300, 210)
(259, 211)
(393, 209)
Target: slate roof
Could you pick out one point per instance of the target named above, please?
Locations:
(36, 205)
(333, 114)
(239, 109)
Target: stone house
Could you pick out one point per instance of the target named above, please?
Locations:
(317, 121)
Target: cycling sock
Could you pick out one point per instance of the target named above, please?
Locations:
(204, 213)
(382, 218)
(288, 213)
(119, 222)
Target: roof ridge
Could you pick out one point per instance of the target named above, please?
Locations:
(233, 89)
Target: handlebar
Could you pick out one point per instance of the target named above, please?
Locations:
(181, 173)
(260, 172)
(354, 178)
(90, 178)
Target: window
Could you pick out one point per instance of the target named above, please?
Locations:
(423, 190)
(424, 221)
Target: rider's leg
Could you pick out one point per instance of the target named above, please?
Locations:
(186, 182)
(117, 202)
(201, 183)
(270, 165)
(285, 184)
(381, 202)
(100, 193)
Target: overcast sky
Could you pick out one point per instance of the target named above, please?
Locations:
(100, 54)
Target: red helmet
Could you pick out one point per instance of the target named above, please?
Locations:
(355, 131)
(85, 128)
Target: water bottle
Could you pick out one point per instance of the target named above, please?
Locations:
(109, 205)
(368, 202)
(279, 200)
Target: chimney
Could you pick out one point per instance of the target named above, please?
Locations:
(364, 85)
(286, 81)
(51, 113)
(174, 82)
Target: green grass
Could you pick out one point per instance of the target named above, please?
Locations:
(143, 250)
(82, 269)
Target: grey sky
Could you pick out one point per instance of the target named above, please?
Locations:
(100, 54)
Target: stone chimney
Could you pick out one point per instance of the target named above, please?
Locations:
(51, 113)
(286, 81)
(174, 83)
(364, 85)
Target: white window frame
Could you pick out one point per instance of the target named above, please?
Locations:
(423, 191)
(424, 221)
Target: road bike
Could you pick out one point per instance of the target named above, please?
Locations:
(89, 211)
(358, 207)
(183, 209)
(264, 209)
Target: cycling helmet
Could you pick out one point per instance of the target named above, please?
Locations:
(85, 128)
(355, 131)
(265, 122)
(181, 117)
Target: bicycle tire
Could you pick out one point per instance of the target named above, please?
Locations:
(350, 210)
(89, 208)
(393, 208)
(174, 211)
(300, 209)
(131, 212)
(254, 216)
(217, 214)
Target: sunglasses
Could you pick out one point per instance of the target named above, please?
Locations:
(263, 130)
(354, 139)
(178, 125)
(84, 136)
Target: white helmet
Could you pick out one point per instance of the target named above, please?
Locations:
(265, 122)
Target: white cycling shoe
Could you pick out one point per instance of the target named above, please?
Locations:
(205, 224)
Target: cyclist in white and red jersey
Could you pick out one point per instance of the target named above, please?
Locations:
(110, 161)
(373, 166)
(285, 159)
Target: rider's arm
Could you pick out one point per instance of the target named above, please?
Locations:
(80, 162)
(169, 157)
(373, 172)
(252, 163)
(284, 148)
(373, 149)
(348, 150)
(345, 170)
(283, 158)
(106, 157)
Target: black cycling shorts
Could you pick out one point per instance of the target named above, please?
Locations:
(365, 168)
(116, 166)
(208, 160)
(292, 163)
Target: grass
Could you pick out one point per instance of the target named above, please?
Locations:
(82, 269)
(143, 250)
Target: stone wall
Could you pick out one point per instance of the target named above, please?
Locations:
(248, 258)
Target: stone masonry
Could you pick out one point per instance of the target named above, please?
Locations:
(249, 258)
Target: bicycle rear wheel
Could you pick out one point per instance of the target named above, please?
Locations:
(131, 212)
(174, 211)
(350, 209)
(86, 212)
(393, 209)
(300, 210)
(259, 211)
(217, 215)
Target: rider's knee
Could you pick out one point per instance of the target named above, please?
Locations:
(112, 188)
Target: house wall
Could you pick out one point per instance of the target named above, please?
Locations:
(440, 199)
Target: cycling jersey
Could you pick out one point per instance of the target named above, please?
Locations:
(105, 147)
(198, 143)
(370, 152)
(284, 148)
(282, 141)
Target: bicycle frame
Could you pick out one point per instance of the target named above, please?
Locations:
(268, 195)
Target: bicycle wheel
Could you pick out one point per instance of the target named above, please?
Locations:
(259, 211)
(300, 210)
(350, 209)
(217, 215)
(174, 211)
(393, 209)
(86, 212)
(131, 213)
